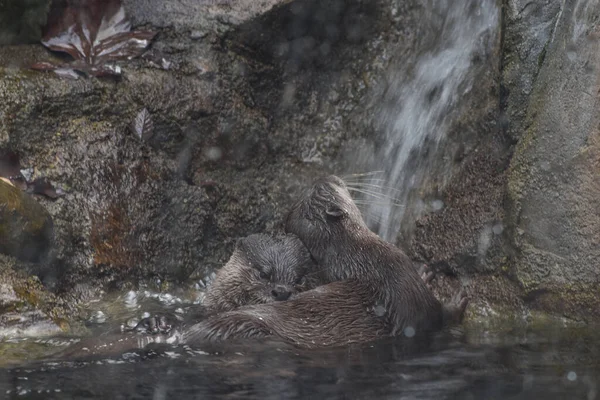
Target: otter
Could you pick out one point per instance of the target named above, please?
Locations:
(370, 288)
(261, 269)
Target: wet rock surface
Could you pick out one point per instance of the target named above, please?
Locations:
(27, 308)
(529, 30)
(22, 21)
(519, 224)
(553, 179)
(26, 229)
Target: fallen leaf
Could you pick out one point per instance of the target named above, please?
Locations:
(142, 125)
(44, 187)
(94, 33)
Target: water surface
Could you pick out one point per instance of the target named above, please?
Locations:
(547, 363)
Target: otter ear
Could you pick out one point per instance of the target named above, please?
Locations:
(334, 212)
(240, 243)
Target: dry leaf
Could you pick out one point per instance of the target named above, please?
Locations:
(142, 125)
(44, 187)
(93, 32)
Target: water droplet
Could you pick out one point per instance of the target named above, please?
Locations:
(98, 317)
(572, 376)
(289, 93)
(379, 310)
(498, 228)
(131, 323)
(409, 331)
(437, 205)
(484, 240)
(131, 299)
(545, 166)
(195, 35)
(214, 153)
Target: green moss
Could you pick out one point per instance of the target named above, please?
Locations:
(16, 204)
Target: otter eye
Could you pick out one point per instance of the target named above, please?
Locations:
(263, 275)
(301, 280)
(334, 212)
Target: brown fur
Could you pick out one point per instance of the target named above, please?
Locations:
(374, 292)
(261, 268)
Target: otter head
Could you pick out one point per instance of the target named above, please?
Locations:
(325, 216)
(262, 269)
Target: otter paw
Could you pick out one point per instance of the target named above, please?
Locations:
(461, 300)
(153, 325)
(455, 309)
(427, 275)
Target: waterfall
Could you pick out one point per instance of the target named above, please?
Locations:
(417, 105)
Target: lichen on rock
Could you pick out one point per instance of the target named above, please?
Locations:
(26, 228)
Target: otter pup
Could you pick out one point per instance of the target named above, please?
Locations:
(262, 269)
(373, 290)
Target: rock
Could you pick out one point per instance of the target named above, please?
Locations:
(529, 29)
(553, 214)
(27, 308)
(224, 159)
(26, 229)
(21, 21)
(191, 14)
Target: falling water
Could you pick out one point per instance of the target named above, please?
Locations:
(418, 106)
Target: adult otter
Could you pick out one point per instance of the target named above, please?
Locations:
(374, 290)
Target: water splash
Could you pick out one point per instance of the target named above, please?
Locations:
(418, 103)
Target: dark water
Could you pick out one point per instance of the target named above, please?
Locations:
(551, 363)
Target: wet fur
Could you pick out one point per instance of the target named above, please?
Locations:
(373, 289)
(303, 321)
(284, 261)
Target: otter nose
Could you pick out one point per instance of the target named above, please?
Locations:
(280, 293)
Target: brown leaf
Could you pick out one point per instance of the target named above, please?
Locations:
(44, 187)
(93, 32)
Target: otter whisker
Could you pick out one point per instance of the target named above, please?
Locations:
(370, 185)
(365, 179)
(368, 192)
(377, 218)
(375, 203)
(383, 202)
(363, 174)
(378, 200)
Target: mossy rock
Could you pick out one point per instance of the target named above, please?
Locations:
(26, 229)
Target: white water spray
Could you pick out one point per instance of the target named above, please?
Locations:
(418, 106)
